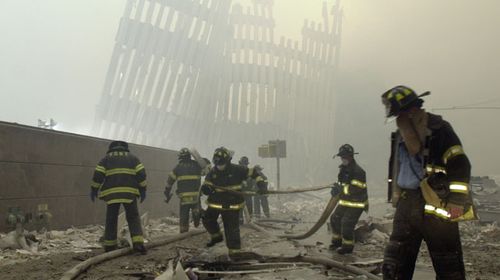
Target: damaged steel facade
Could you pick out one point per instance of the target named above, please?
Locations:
(207, 73)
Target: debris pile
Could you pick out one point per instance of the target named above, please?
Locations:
(474, 234)
(16, 248)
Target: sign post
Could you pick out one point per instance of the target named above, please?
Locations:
(274, 149)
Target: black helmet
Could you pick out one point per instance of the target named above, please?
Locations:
(345, 150)
(401, 98)
(117, 145)
(221, 156)
(244, 161)
(184, 153)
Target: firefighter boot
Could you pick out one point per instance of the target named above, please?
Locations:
(216, 238)
(110, 248)
(336, 243)
(345, 249)
(139, 247)
(196, 217)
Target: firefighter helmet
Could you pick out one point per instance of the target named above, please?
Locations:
(221, 156)
(345, 150)
(184, 153)
(244, 161)
(258, 167)
(401, 98)
(118, 144)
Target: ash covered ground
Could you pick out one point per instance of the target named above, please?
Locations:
(57, 251)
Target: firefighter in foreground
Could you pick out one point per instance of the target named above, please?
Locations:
(120, 178)
(429, 186)
(220, 180)
(187, 173)
(353, 199)
(260, 201)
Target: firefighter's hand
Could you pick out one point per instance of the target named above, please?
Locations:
(336, 189)
(93, 194)
(143, 194)
(456, 212)
(207, 190)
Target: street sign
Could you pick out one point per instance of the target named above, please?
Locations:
(274, 149)
(277, 148)
(264, 151)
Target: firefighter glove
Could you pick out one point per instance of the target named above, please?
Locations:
(143, 194)
(336, 189)
(207, 190)
(93, 194)
(168, 194)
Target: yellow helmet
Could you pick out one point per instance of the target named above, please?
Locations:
(401, 98)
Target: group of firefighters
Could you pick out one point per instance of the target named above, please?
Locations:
(428, 185)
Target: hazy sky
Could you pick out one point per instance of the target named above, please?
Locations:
(54, 56)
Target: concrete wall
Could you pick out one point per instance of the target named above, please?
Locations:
(40, 166)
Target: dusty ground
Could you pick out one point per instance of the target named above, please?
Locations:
(60, 251)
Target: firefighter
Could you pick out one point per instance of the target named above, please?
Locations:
(120, 178)
(187, 173)
(353, 199)
(260, 201)
(247, 185)
(430, 189)
(219, 185)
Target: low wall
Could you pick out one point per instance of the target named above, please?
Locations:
(40, 166)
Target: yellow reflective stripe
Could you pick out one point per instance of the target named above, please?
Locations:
(233, 251)
(351, 204)
(139, 167)
(188, 197)
(110, 242)
(143, 183)
(208, 183)
(188, 177)
(137, 239)
(260, 179)
(459, 187)
(231, 207)
(113, 201)
(335, 236)
(188, 201)
(250, 172)
(440, 212)
(346, 188)
(452, 152)
(172, 175)
(115, 171)
(358, 183)
(216, 235)
(226, 188)
(188, 194)
(430, 169)
(347, 242)
(119, 190)
(101, 169)
(95, 185)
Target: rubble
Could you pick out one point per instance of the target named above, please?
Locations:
(72, 240)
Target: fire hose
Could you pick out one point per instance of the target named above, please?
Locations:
(322, 219)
